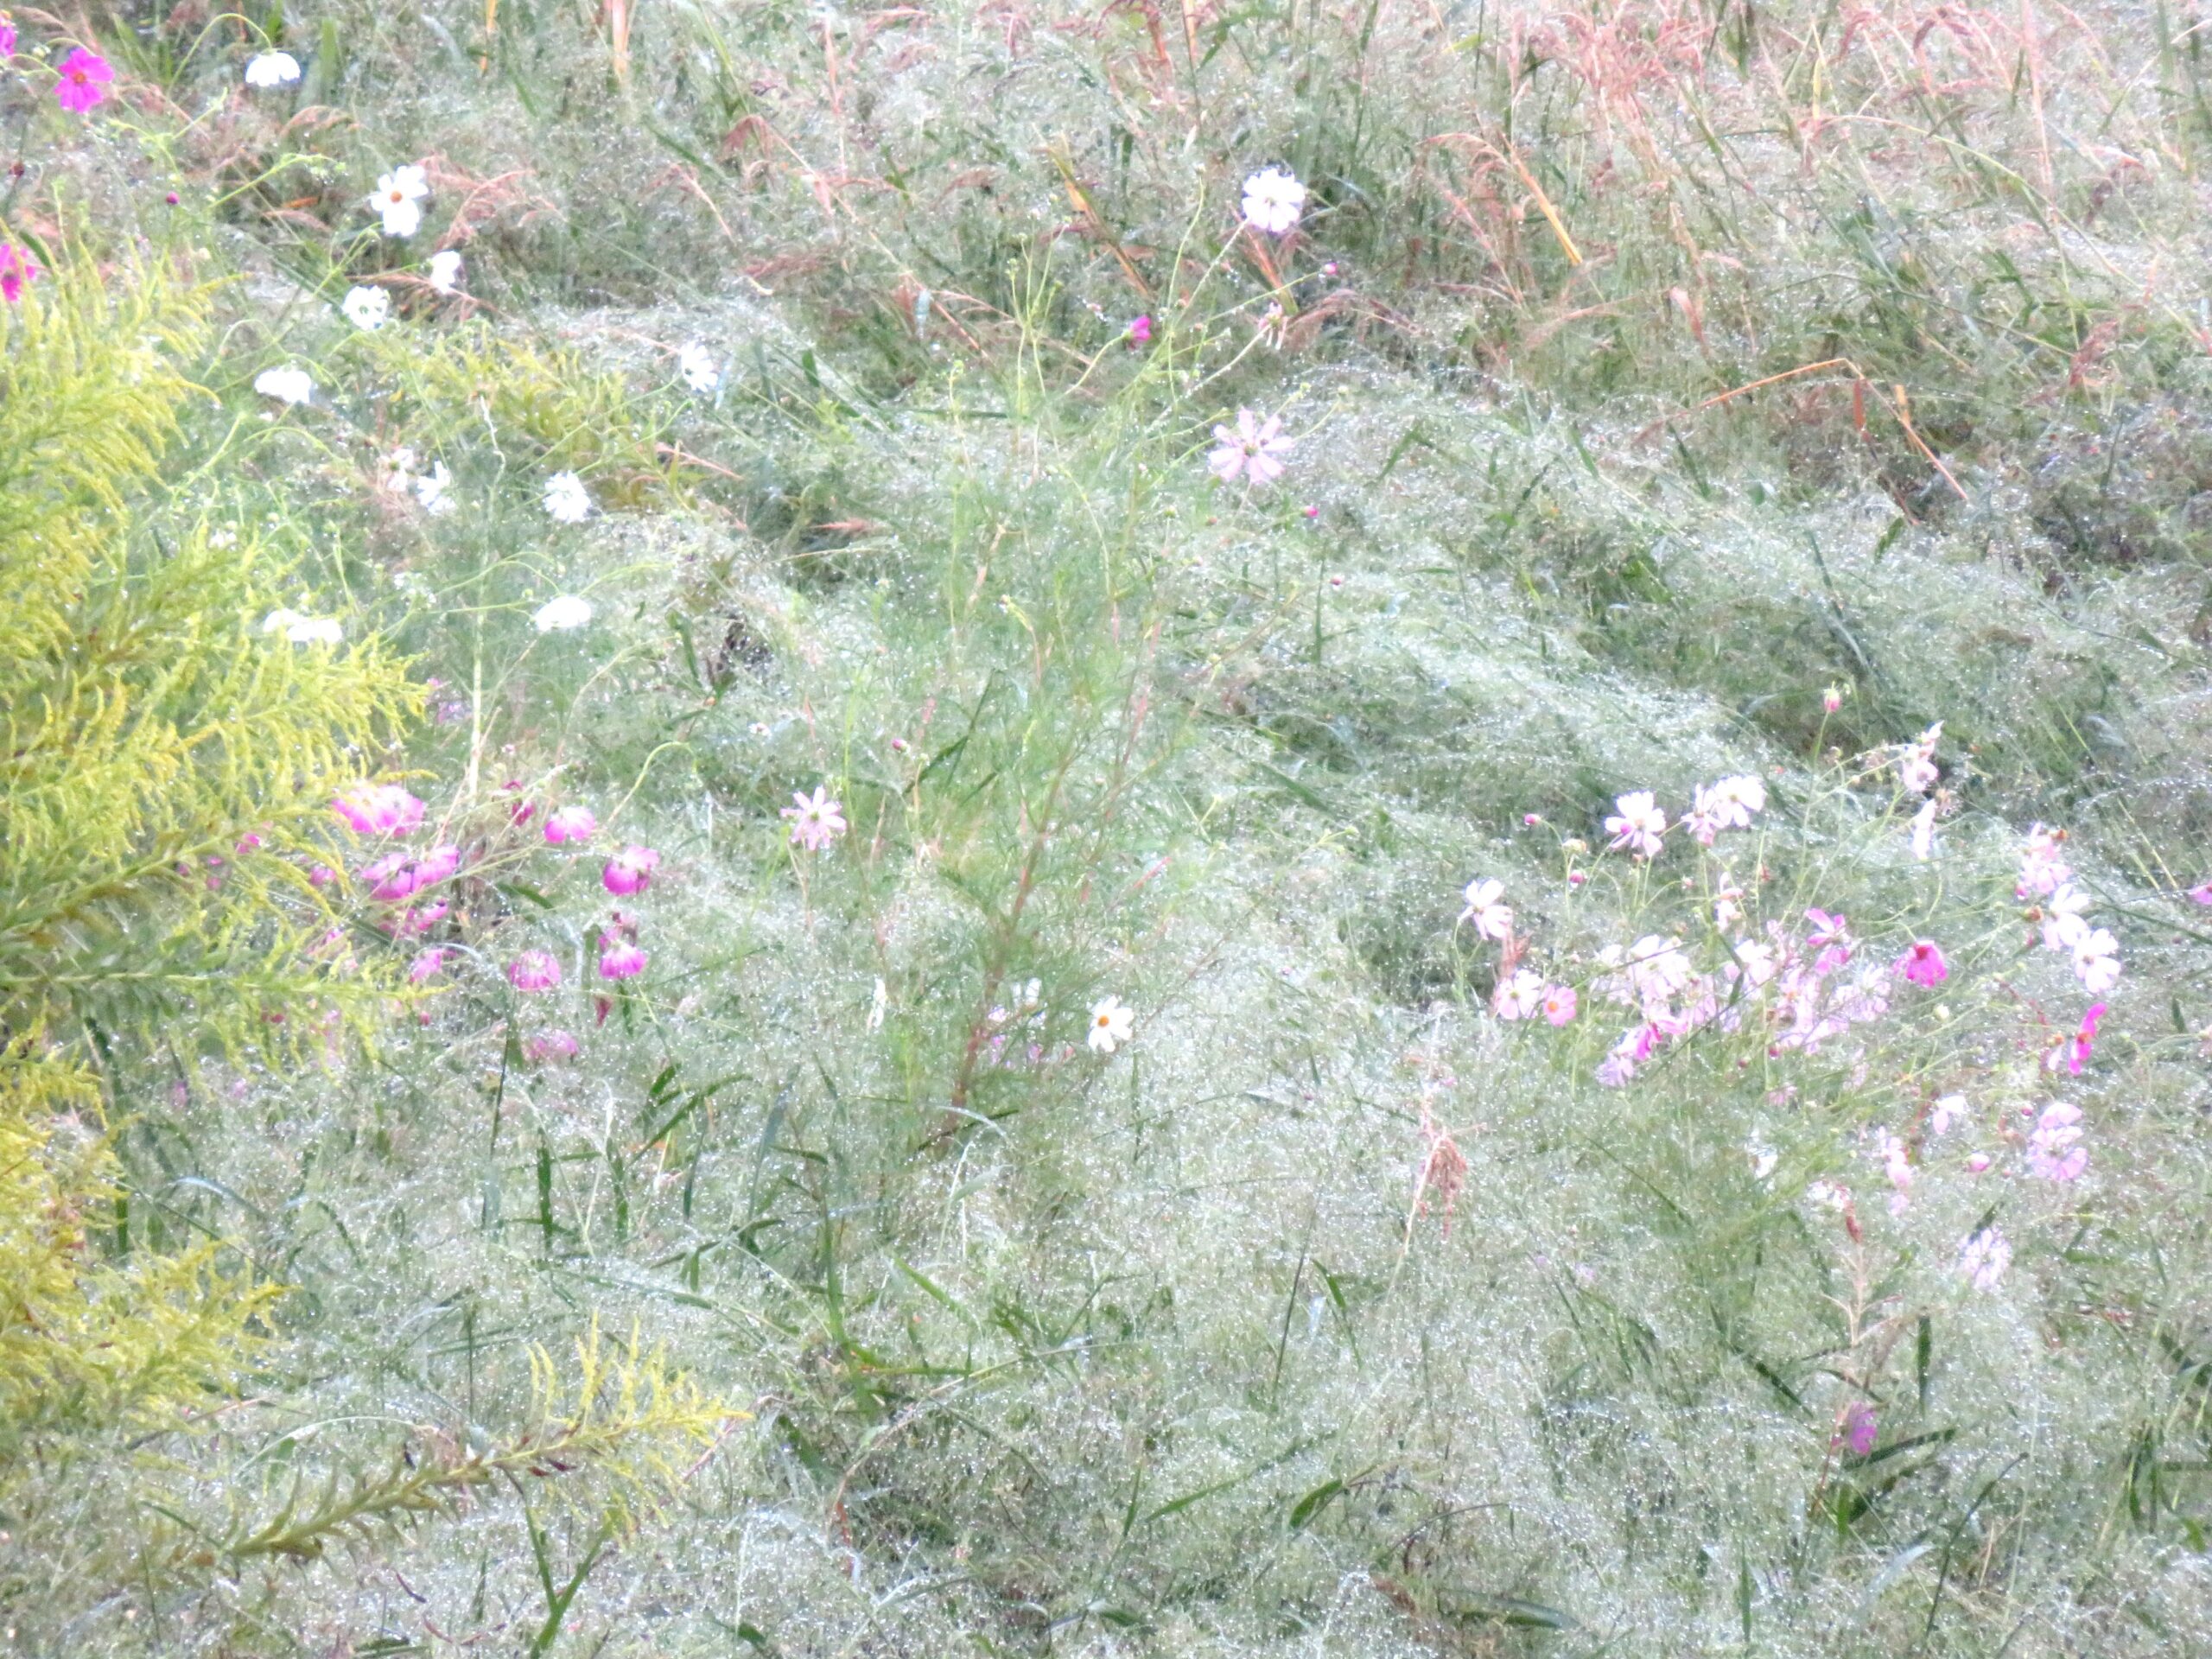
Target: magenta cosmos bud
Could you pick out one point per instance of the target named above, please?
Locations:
(534, 970)
(629, 871)
(570, 823)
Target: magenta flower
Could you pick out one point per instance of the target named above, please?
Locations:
(377, 809)
(426, 965)
(1140, 331)
(629, 871)
(7, 39)
(1252, 449)
(422, 921)
(816, 821)
(15, 273)
(2073, 1051)
(83, 75)
(534, 970)
(570, 823)
(1923, 963)
(2202, 893)
(1859, 1428)
(554, 1045)
(619, 958)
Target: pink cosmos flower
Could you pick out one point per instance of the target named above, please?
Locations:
(1252, 449)
(7, 39)
(1560, 1004)
(2053, 1150)
(1140, 331)
(2096, 961)
(543, 1045)
(2064, 926)
(1830, 937)
(1517, 996)
(1923, 963)
(395, 876)
(422, 921)
(426, 965)
(1858, 1433)
(534, 970)
(629, 871)
(1637, 824)
(2043, 864)
(816, 821)
(321, 876)
(83, 76)
(2202, 893)
(15, 273)
(2072, 1051)
(1486, 909)
(1916, 761)
(377, 809)
(570, 823)
(1984, 1257)
(619, 958)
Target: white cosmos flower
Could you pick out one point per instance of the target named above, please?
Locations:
(1111, 1025)
(559, 615)
(1923, 832)
(566, 499)
(367, 309)
(303, 630)
(698, 366)
(1272, 199)
(286, 386)
(445, 272)
(2096, 961)
(398, 198)
(273, 69)
(433, 489)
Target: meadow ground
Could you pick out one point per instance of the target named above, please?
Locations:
(929, 629)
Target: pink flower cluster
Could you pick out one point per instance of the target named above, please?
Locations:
(2045, 875)
(624, 875)
(377, 809)
(1638, 824)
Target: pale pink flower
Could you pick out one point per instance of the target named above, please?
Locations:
(1948, 1110)
(1727, 805)
(554, 1045)
(377, 809)
(2053, 1150)
(1560, 1003)
(1978, 1163)
(1922, 963)
(426, 965)
(85, 78)
(534, 970)
(1252, 449)
(2042, 863)
(1492, 918)
(570, 823)
(2096, 961)
(619, 958)
(629, 871)
(1829, 935)
(1864, 997)
(1758, 961)
(1984, 1257)
(2064, 925)
(1637, 824)
(1728, 901)
(1517, 996)
(816, 821)
(1916, 761)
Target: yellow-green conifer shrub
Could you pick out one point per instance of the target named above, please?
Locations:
(163, 765)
